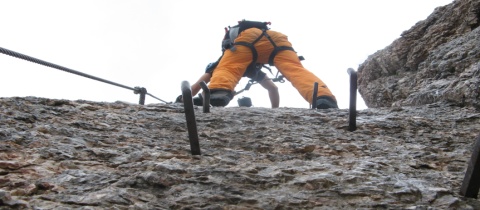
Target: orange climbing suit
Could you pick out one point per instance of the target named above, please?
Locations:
(235, 60)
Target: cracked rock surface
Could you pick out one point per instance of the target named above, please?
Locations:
(60, 154)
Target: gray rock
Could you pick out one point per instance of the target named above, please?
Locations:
(126, 156)
(437, 60)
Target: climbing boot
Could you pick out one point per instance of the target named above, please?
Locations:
(220, 97)
(198, 101)
(326, 102)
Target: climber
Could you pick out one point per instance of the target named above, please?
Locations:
(251, 42)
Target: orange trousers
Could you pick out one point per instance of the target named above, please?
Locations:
(234, 62)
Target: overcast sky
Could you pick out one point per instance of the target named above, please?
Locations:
(159, 44)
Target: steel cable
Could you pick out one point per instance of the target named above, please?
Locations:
(52, 65)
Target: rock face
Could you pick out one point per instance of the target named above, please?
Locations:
(58, 154)
(438, 59)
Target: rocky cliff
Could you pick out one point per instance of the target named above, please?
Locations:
(59, 154)
(438, 59)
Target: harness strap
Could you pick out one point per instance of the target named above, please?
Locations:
(276, 49)
(252, 48)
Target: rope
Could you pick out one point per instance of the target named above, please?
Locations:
(55, 66)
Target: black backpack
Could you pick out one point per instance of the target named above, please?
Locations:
(231, 33)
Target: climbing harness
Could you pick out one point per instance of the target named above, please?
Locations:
(231, 34)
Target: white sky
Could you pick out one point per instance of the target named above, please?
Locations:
(159, 44)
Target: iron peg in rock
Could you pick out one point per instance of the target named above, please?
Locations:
(190, 116)
(352, 124)
(142, 91)
(314, 96)
(206, 97)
